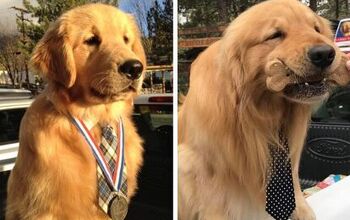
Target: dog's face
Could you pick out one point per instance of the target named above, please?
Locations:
(292, 54)
(93, 52)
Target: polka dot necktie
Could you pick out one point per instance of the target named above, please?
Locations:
(280, 201)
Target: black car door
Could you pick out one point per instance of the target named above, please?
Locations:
(327, 147)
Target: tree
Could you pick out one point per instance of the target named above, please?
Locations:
(313, 5)
(32, 29)
(140, 8)
(160, 32)
(333, 9)
(199, 13)
(11, 58)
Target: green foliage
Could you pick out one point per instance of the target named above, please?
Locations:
(197, 13)
(160, 32)
(333, 9)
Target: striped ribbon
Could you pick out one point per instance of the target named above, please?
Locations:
(115, 181)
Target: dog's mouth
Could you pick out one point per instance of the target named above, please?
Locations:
(307, 87)
(109, 86)
(311, 88)
(106, 92)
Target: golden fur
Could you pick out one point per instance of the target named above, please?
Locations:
(235, 108)
(55, 173)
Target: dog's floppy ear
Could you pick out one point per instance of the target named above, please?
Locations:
(53, 56)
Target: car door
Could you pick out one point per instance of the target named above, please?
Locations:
(10, 120)
(327, 147)
(154, 122)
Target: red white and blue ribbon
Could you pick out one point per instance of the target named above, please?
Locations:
(114, 179)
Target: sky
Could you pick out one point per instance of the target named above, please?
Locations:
(139, 9)
(124, 5)
(7, 15)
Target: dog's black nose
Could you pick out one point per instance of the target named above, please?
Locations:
(132, 69)
(322, 55)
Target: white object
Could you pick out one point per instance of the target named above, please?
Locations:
(333, 202)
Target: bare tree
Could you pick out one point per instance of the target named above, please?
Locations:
(11, 59)
(223, 8)
(139, 9)
(336, 9)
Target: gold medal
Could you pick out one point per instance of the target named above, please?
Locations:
(118, 207)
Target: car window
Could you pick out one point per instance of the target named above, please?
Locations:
(336, 108)
(10, 121)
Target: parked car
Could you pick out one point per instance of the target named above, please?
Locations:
(10, 94)
(327, 147)
(153, 117)
(11, 113)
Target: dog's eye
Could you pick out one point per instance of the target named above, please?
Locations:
(317, 29)
(94, 40)
(126, 39)
(276, 35)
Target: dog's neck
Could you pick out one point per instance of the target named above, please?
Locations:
(253, 124)
(93, 114)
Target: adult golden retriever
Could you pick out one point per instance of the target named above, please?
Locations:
(93, 61)
(273, 62)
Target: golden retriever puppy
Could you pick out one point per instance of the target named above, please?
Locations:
(93, 61)
(273, 62)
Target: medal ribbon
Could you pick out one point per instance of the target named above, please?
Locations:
(115, 180)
